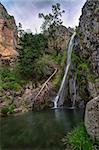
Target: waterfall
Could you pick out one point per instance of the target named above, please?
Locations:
(60, 92)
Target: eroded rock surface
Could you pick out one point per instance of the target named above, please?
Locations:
(86, 48)
(92, 118)
(62, 37)
(8, 35)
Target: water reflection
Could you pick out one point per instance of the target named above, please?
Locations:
(38, 130)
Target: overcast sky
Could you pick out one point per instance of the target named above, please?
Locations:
(26, 11)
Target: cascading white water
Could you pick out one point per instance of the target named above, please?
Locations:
(70, 47)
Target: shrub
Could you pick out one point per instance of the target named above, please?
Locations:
(8, 109)
(31, 48)
(11, 109)
(78, 139)
(57, 79)
(4, 110)
(61, 61)
(9, 80)
(11, 86)
(44, 67)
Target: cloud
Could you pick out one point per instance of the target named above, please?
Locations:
(26, 11)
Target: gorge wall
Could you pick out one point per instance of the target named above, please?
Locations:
(86, 51)
(8, 35)
(86, 65)
(62, 37)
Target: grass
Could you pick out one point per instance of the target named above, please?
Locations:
(78, 139)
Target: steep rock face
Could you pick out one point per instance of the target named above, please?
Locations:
(87, 49)
(62, 37)
(89, 27)
(86, 55)
(8, 34)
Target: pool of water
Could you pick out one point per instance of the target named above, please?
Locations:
(38, 130)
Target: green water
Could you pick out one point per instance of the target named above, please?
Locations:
(38, 130)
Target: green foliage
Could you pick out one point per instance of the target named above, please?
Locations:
(83, 74)
(90, 77)
(82, 69)
(78, 139)
(31, 48)
(9, 80)
(4, 110)
(8, 109)
(11, 86)
(11, 108)
(57, 79)
(60, 60)
(52, 23)
(75, 59)
(53, 19)
(44, 67)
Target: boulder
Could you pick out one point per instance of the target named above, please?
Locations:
(92, 118)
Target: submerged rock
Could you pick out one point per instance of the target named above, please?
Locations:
(92, 118)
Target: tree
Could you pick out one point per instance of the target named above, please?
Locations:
(30, 48)
(20, 30)
(53, 19)
(52, 22)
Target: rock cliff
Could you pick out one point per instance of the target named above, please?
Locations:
(8, 35)
(86, 51)
(62, 37)
(86, 64)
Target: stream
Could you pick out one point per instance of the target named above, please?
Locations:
(41, 130)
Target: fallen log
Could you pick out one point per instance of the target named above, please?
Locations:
(45, 83)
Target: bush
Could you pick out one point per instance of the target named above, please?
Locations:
(78, 139)
(57, 79)
(11, 86)
(44, 67)
(61, 61)
(31, 48)
(9, 80)
(5, 110)
(11, 109)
